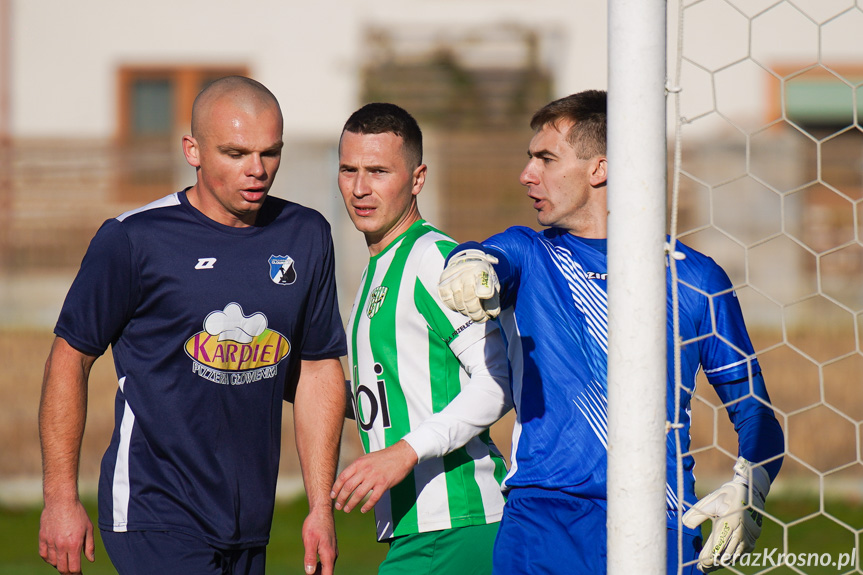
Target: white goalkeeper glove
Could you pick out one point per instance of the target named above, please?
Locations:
(469, 285)
(736, 518)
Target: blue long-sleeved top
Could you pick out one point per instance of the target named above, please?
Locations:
(554, 318)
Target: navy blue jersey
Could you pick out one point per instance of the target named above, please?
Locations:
(207, 325)
(554, 317)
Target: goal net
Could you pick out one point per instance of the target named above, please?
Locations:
(765, 154)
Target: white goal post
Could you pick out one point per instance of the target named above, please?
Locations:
(637, 377)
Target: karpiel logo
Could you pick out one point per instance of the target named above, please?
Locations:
(235, 348)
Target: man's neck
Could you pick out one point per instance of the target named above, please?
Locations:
(376, 245)
(218, 213)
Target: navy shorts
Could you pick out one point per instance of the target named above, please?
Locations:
(171, 553)
(552, 533)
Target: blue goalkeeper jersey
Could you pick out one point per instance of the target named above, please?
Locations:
(208, 324)
(554, 317)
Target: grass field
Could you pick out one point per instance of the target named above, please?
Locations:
(360, 554)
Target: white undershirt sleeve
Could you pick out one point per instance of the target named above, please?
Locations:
(484, 400)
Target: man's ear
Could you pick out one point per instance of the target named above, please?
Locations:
(599, 171)
(192, 151)
(419, 179)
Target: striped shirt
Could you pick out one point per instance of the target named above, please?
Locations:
(403, 356)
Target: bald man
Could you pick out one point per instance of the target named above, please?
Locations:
(218, 301)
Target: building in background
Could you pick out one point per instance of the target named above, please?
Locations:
(98, 96)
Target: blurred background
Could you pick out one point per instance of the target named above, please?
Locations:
(95, 95)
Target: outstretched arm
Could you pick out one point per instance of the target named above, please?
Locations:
(65, 529)
(319, 412)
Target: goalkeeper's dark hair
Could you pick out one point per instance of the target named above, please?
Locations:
(383, 118)
(588, 111)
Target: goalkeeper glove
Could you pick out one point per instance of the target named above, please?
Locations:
(469, 285)
(735, 517)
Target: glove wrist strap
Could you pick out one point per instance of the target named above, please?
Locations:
(749, 474)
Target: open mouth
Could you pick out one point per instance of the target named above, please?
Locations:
(253, 194)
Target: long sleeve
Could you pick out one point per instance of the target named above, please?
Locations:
(484, 400)
(759, 434)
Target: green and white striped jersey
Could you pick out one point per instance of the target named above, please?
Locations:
(403, 350)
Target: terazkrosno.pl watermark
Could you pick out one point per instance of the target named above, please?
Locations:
(775, 558)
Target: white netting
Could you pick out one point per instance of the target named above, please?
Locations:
(766, 98)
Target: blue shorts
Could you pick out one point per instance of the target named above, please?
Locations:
(171, 553)
(552, 533)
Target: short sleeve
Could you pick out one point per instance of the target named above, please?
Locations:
(103, 296)
(323, 332)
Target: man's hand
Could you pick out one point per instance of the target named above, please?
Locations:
(64, 532)
(469, 285)
(64, 528)
(736, 519)
(319, 542)
(374, 472)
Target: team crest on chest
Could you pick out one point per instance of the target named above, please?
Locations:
(376, 300)
(282, 270)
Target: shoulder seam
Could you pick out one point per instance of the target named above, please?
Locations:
(167, 201)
